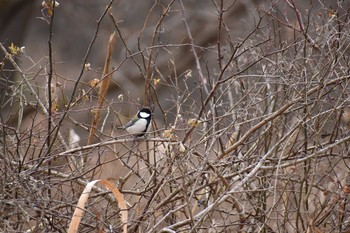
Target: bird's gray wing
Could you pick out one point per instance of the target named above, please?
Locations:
(130, 123)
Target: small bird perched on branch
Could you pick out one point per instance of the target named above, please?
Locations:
(140, 124)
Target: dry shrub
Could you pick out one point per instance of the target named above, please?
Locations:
(250, 132)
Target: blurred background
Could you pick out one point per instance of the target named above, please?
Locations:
(25, 23)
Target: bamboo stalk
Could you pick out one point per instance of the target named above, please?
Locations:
(105, 81)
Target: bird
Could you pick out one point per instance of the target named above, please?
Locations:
(140, 124)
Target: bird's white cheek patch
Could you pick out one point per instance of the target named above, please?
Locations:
(144, 114)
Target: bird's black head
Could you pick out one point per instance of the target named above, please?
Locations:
(144, 113)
